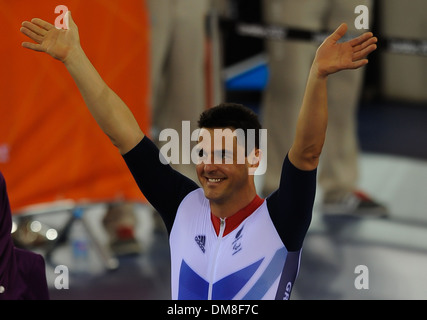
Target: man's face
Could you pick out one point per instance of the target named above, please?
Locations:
(222, 166)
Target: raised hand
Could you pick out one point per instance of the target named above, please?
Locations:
(333, 56)
(58, 43)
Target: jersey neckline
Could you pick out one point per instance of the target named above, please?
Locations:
(236, 219)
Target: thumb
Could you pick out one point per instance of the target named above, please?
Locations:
(68, 19)
(339, 32)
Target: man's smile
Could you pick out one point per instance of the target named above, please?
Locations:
(214, 180)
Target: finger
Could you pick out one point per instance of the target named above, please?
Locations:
(364, 53)
(360, 39)
(42, 24)
(32, 46)
(366, 44)
(34, 28)
(31, 34)
(358, 64)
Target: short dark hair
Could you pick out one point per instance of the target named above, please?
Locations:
(231, 115)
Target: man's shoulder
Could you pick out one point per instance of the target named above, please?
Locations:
(195, 198)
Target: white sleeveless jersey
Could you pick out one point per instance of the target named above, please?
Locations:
(247, 263)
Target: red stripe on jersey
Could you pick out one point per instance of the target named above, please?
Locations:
(236, 219)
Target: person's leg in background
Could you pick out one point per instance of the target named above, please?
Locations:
(178, 35)
(289, 63)
(179, 43)
(339, 169)
(119, 221)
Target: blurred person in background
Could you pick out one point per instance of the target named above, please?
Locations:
(185, 63)
(289, 63)
(22, 272)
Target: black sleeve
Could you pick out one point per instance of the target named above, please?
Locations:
(291, 205)
(162, 186)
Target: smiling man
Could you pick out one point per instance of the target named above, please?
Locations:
(226, 242)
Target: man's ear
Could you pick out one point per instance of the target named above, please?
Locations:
(254, 159)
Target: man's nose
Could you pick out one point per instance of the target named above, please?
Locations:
(209, 166)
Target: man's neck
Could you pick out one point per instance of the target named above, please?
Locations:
(232, 222)
(230, 207)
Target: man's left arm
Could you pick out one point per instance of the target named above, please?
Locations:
(331, 57)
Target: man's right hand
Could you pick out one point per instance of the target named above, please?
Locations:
(58, 43)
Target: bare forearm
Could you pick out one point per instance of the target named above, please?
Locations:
(110, 112)
(331, 57)
(312, 123)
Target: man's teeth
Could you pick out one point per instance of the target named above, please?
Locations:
(214, 180)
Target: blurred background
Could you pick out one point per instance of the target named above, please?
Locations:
(74, 201)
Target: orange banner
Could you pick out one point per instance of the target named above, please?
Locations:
(50, 146)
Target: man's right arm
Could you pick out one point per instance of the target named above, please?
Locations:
(110, 112)
(169, 188)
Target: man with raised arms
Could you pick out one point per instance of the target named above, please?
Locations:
(226, 242)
